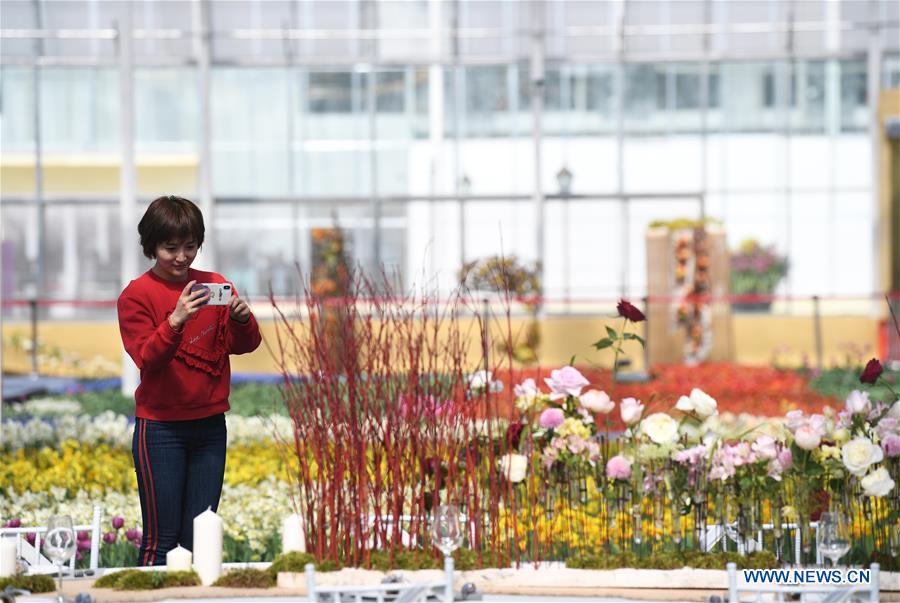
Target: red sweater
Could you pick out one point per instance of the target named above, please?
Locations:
(184, 375)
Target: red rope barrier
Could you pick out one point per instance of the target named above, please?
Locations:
(743, 298)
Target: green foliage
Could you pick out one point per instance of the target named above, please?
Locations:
(839, 382)
(97, 402)
(134, 579)
(251, 399)
(34, 584)
(119, 554)
(600, 559)
(756, 269)
(247, 578)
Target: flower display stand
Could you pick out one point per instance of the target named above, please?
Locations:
(688, 315)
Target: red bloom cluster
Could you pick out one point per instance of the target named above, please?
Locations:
(762, 391)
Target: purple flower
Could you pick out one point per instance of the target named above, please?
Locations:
(618, 467)
(84, 545)
(117, 522)
(84, 535)
(566, 381)
(109, 538)
(552, 418)
(133, 534)
(690, 456)
(13, 523)
(891, 445)
(30, 538)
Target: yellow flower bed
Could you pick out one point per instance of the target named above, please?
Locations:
(96, 469)
(100, 468)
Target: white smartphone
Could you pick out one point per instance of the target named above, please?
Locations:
(219, 293)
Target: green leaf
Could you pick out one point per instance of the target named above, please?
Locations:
(634, 337)
(603, 343)
(572, 360)
(612, 333)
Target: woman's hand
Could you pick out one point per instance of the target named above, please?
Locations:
(189, 303)
(238, 309)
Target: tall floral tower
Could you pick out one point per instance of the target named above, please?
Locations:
(688, 314)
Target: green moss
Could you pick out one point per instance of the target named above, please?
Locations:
(246, 578)
(599, 559)
(290, 562)
(133, 579)
(35, 584)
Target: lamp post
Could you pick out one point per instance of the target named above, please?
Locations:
(465, 189)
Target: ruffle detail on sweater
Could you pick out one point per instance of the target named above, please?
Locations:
(208, 361)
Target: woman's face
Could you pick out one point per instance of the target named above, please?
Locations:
(173, 258)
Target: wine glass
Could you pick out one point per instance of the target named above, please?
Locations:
(59, 544)
(445, 529)
(833, 536)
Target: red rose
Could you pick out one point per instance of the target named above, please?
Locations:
(514, 434)
(629, 312)
(872, 371)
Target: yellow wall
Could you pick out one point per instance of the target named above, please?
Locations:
(757, 338)
(80, 174)
(888, 106)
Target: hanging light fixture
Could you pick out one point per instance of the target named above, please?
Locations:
(564, 180)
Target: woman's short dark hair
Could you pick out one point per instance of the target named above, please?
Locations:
(170, 218)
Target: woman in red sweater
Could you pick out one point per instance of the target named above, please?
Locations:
(181, 347)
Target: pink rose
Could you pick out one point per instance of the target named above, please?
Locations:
(764, 447)
(551, 418)
(785, 457)
(807, 437)
(566, 381)
(618, 467)
(891, 445)
(631, 410)
(597, 401)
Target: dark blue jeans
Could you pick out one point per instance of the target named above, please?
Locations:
(180, 466)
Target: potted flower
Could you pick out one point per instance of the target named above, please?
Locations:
(755, 271)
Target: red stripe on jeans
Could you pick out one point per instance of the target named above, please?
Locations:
(142, 474)
(154, 538)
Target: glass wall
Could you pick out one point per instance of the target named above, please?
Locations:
(412, 125)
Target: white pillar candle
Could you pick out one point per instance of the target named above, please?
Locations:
(178, 560)
(7, 556)
(292, 534)
(208, 546)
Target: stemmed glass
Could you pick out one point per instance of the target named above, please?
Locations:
(59, 544)
(445, 529)
(833, 536)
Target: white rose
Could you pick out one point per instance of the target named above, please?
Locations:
(858, 402)
(661, 428)
(684, 404)
(807, 437)
(878, 483)
(704, 404)
(513, 467)
(597, 401)
(858, 454)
